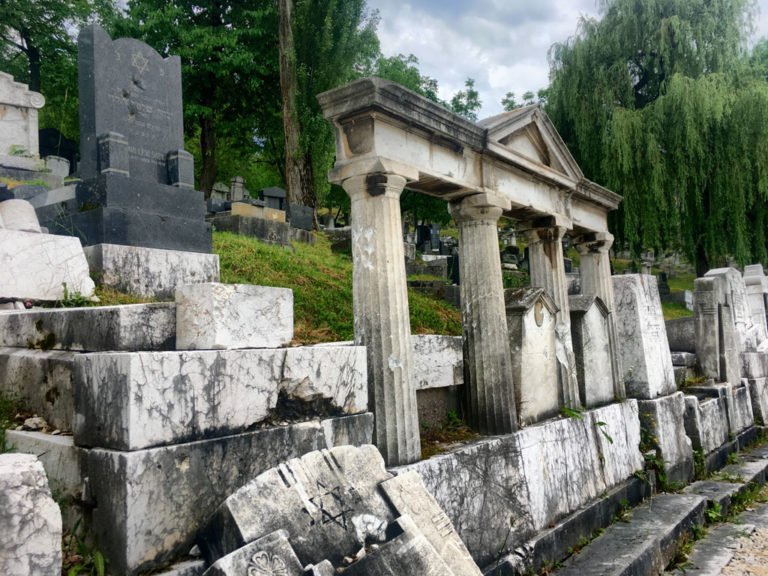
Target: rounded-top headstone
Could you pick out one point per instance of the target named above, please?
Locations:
(19, 215)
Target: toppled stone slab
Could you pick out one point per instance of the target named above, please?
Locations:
(333, 503)
(438, 361)
(151, 504)
(213, 316)
(497, 492)
(644, 545)
(30, 520)
(42, 382)
(130, 401)
(120, 328)
(664, 422)
(42, 266)
(150, 272)
(268, 555)
(642, 336)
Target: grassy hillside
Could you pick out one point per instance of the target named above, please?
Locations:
(322, 287)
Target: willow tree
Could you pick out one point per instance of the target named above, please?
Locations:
(656, 101)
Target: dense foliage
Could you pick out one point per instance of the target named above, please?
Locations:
(658, 101)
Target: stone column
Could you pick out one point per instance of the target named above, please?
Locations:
(487, 358)
(545, 252)
(595, 268)
(382, 323)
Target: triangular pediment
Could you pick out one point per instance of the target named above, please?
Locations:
(528, 131)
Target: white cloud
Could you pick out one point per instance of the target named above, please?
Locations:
(502, 44)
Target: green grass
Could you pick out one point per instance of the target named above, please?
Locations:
(674, 310)
(322, 287)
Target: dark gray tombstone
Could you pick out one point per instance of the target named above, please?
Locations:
(5, 194)
(274, 198)
(434, 237)
(137, 184)
(568, 265)
(302, 217)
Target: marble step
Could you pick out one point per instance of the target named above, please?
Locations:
(119, 328)
(645, 544)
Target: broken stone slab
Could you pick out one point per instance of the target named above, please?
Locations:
(19, 215)
(497, 492)
(681, 334)
(408, 495)
(269, 555)
(42, 267)
(737, 401)
(329, 500)
(40, 381)
(706, 423)
(438, 361)
(30, 520)
(642, 336)
(213, 316)
(664, 421)
(130, 401)
(716, 493)
(407, 552)
(120, 328)
(151, 504)
(60, 459)
(150, 272)
(185, 568)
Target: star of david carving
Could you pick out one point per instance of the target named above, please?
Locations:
(333, 509)
(140, 62)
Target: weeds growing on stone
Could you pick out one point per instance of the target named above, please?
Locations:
(438, 438)
(81, 558)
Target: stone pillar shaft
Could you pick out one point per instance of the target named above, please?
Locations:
(487, 358)
(547, 270)
(382, 322)
(595, 270)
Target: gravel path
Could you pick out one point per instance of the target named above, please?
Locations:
(751, 559)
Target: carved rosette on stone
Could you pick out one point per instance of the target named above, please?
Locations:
(488, 362)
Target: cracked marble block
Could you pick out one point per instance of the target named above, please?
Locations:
(30, 520)
(590, 329)
(664, 421)
(42, 266)
(642, 336)
(130, 401)
(438, 361)
(217, 316)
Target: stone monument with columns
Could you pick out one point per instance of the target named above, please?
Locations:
(18, 124)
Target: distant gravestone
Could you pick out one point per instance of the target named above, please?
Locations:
(137, 185)
(274, 198)
(302, 217)
(18, 118)
(54, 143)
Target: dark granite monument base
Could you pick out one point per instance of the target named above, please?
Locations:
(116, 191)
(135, 228)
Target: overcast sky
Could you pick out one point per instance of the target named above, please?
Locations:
(502, 44)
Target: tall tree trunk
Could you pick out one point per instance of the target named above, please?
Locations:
(33, 55)
(208, 153)
(298, 173)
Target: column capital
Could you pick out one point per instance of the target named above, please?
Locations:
(374, 184)
(593, 242)
(484, 206)
(551, 233)
(344, 171)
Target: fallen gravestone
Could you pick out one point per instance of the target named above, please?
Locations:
(339, 507)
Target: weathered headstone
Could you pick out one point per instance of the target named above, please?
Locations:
(531, 322)
(18, 120)
(757, 296)
(592, 348)
(302, 217)
(274, 198)
(642, 337)
(138, 182)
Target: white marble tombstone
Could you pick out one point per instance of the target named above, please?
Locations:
(757, 297)
(592, 348)
(531, 323)
(18, 118)
(642, 335)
